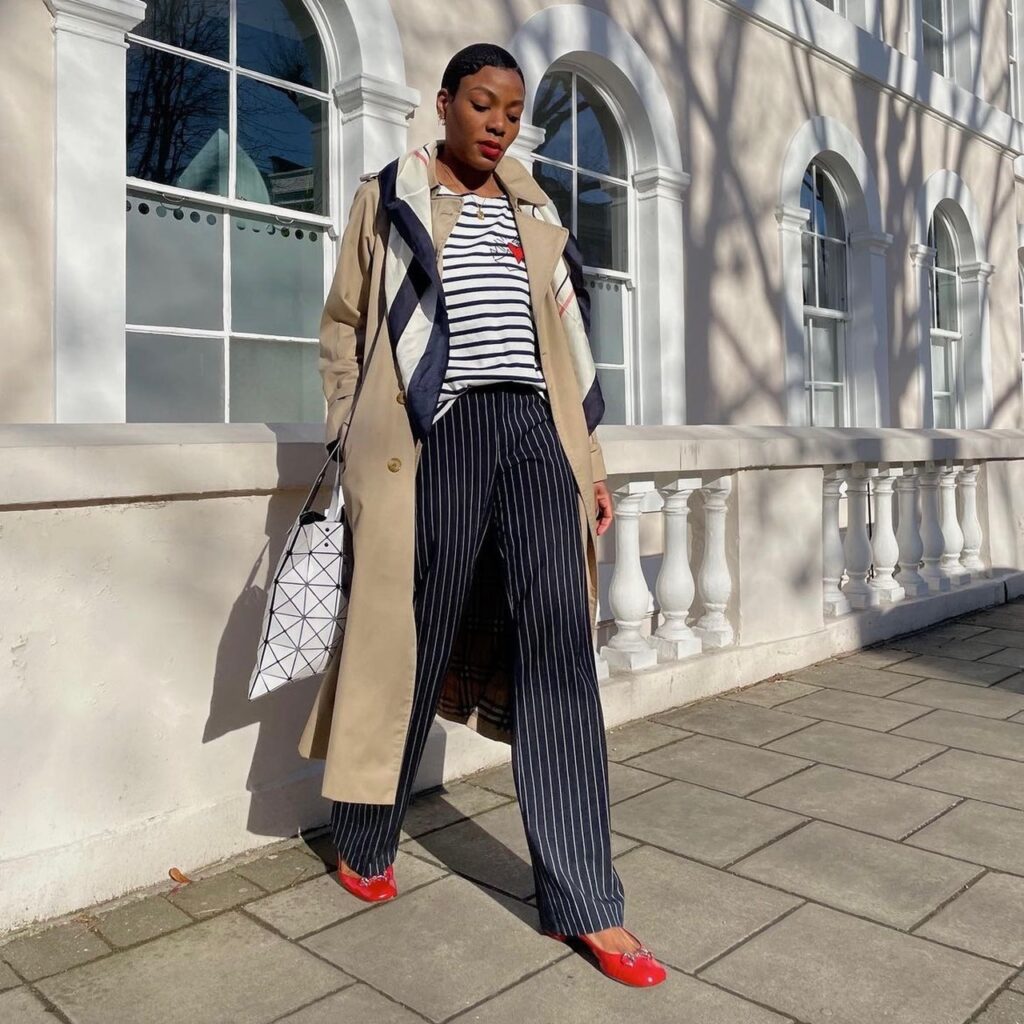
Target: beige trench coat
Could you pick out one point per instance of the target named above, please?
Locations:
(359, 721)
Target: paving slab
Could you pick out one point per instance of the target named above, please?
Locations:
(573, 992)
(732, 720)
(876, 657)
(8, 979)
(441, 949)
(839, 675)
(968, 732)
(824, 967)
(979, 833)
(1015, 684)
(443, 807)
(720, 764)
(1012, 656)
(1018, 983)
(988, 702)
(712, 827)
(214, 895)
(711, 910)
(491, 848)
(1002, 617)
(223, 970)
(1006, 637)
(140, 921)
(52, 950)
(862, 750)
(278, 870)
(1006, 1008)
(20, 1006)
(952, 630)
(859, 709)
(986, 919)
(864, 802)
(932, 666)
(865, 875)
(627, 741)
(993, 779)
(357, 1004)
(946, 646)
(775, 691)
(316, 904)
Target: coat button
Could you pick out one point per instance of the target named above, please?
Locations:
(400, 398)
(394, 465)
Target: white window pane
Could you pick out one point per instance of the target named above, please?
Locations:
(557, 184)
(171, 379)
(277, 278)
(275, 382)
(552, 112)
(177, 120)
(947, 314)
(807, 266)
(940, 379)
(942, 408)
(832, 274)
(200, 26)
(282, 147)
(599, 145)
(931, 11)
(606, 324)
(934, 51)
(174, 272)
(945, 249)
(613, 388)
(278, 37)
(824, 349)
(602, 220)
(826, 408)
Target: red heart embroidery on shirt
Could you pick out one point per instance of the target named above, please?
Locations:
(516, 250)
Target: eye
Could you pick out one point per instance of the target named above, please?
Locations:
(478, 107)
(514, 120)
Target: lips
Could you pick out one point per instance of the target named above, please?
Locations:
(490, 150)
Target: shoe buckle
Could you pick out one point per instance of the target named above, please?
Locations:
(631, 958)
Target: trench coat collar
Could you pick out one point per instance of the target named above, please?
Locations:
(511, 174)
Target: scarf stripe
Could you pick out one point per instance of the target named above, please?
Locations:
(417, 315)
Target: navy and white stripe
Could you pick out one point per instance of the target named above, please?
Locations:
(491, 334)
(495, 462)
(417, 315)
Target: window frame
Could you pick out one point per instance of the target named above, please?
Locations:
(625, 279)
(227, 206)
(952, 341)
(810, 312)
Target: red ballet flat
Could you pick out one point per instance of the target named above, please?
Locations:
(372, 888)
(638, 968)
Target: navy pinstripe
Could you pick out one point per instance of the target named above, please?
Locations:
(495, 455)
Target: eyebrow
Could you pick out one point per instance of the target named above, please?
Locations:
(493, 94)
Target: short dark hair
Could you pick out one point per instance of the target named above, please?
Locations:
(470, 59)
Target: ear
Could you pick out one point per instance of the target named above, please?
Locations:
(443, 100)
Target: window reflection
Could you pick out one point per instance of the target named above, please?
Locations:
(200, 26)
(278, 38)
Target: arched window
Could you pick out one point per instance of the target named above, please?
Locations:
(228, 134)
(583, 166)
(824, 244)
(946, 335)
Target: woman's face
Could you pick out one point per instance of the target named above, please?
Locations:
(482, 118)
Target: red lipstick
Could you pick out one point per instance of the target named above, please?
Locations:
(491, 150)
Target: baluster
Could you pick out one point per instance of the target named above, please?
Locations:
(628, 596)
(713, 580)
(674, 588)
(857, 547)
(884, 548)
(908, 534)
(833, 558)
(969, 521)
(952, 535)
(931, 534)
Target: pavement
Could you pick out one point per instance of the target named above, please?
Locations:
(843, 845)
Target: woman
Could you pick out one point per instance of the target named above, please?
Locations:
(454, 266)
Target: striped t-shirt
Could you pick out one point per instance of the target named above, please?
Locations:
(492, 336)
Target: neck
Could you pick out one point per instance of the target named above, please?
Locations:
(463, 174)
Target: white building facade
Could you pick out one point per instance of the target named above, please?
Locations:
(795, 215)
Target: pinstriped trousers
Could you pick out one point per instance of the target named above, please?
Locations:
(496, 453)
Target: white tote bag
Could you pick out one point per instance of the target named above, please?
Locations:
(307, 602)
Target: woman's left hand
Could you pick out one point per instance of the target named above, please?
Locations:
(605, 511)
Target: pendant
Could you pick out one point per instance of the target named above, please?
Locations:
(479, 210)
